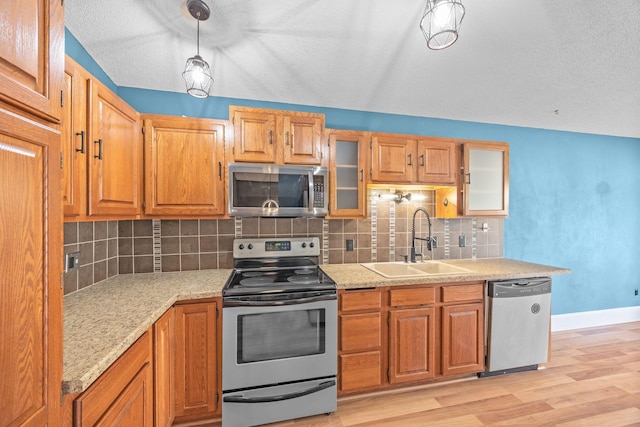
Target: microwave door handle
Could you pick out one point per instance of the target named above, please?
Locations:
(297, 301)
(281, 397)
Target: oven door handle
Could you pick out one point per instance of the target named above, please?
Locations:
(281, 397)
(297, 301)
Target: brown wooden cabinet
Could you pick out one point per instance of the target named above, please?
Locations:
(30, 268)
(123, 394)
(115, 155)
(198, 382)
(347, 177)
(412, 335)
(274, 136)
(462, 329)
(74, 133)
(405, 159)
(485, 189)
(361, 341)
(184, 166)
(32, 52)
(164, 366)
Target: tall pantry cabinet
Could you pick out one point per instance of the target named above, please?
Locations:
(31, 81)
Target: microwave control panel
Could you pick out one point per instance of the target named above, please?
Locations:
(318, 191)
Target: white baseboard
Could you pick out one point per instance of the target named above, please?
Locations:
(589, 319)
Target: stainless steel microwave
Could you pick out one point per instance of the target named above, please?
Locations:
(277, 190)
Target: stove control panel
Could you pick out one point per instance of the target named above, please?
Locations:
(276, 247)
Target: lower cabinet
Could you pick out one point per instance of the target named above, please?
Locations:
(409, 335)
(123, 395)
(164, 368)
(198, 382)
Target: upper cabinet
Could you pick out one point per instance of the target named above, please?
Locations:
(32, 56)
(74, 133)
(274, 136)
(347, 182)
(184, 166)
(115, 155)
(485, 190)
(412, 160)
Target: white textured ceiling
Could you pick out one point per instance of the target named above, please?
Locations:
(555, 64)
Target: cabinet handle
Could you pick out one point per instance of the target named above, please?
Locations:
(270, 137)
(81, 134)
(99, 156)
(468, 177)
(220, 170)
(410, 160)
(361, 175)
(286, 138)
(422, 160)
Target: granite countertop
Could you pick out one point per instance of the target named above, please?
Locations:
(102, 321)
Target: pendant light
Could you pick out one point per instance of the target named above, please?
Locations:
(197, 75)
(441, 21)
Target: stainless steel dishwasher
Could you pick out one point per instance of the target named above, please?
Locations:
(518, 316)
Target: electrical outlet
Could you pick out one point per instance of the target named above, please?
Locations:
(349, 245)
(636, 292)
(71, 261)
(462, 241)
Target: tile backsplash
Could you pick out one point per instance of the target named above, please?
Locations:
(108, 248)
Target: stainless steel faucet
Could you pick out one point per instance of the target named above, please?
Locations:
(429, 239)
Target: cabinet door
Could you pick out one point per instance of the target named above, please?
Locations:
(196, 358)
(30, 268)
(74, 139)
(462, 339)
(486, 179)
(123, 394)
(393, 159)
(184, 166)
(164, 359)
(303, 139)
(32, 56)
(437, 161)
(411, 345)
(347, 186)
(115, 155)
(254, 136)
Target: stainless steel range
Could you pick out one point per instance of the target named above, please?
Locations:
(279, 332)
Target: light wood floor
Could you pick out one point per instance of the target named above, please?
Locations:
(593, 378)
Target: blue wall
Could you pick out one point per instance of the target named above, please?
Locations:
(574, 200)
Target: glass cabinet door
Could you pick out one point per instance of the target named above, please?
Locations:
(486, 179)
(347, 175)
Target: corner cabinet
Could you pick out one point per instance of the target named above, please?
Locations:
(164, 369)
(347, 183)
(115, 155)
(274, 136)
(184, 166)
(485, 186)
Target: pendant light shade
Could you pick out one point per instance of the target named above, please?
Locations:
(197, 74)
(440, 22)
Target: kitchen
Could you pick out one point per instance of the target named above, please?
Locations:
(583, 214)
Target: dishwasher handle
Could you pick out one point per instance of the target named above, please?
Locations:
(519, 287)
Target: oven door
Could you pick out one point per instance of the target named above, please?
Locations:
(271, 342)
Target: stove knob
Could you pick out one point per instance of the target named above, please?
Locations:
(311, 245)
(250, 246)
(304, 245)
(241, 247)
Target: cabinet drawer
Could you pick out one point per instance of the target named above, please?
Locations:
(459, 293)
(360, 371)
(360, 331)
(361, 300)
(411, 297)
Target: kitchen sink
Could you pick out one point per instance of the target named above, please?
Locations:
(402, 269)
